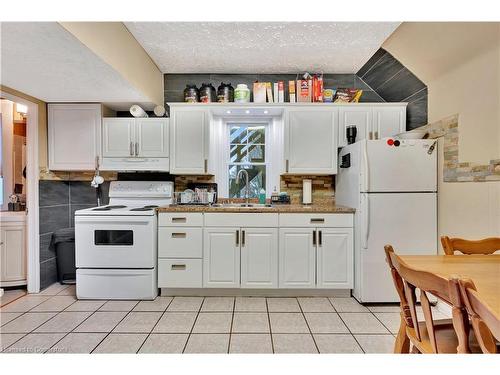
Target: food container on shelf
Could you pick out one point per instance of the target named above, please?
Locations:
(242, 93)
(207, 93)
(225, 93)
(191, 94)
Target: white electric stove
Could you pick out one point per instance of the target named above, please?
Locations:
(116, 244)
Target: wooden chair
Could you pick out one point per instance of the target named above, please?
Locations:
(429, 336)
(484, 323)
(481, 247)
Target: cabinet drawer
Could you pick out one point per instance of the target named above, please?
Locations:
(179, 273)
(316, 220)
(180, 242)
(256, 219)
(180, 219)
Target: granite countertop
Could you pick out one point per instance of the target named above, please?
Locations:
(281, 208)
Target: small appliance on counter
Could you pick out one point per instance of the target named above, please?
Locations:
(306, 191)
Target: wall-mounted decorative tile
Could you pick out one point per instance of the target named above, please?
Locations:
(178, 81)
(400, 87)
(371, 62)
(48, 273)
(416, 113)
(360, 84)
(46, 251)
(75, 207)
(334, 81)
(53, 193)
(382, 71)
(82, 193)
(370, 96)
(172, 96)
(53, 218)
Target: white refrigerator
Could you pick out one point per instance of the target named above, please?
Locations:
(393, 188)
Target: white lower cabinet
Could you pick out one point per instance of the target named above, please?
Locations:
(297, 258)
(221, 258)
(12, 254)
(335, 261)
(236, 250)
(259, 258)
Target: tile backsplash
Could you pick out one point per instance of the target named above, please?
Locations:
(323, 190)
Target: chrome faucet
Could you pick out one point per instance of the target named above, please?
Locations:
(247, 187)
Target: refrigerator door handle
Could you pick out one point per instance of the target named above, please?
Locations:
(366, 173)
(366, 221)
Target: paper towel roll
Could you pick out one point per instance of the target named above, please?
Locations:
(306, 191)
(159, 111)
(137, 111)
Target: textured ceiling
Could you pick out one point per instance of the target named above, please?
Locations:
(47, 62)
(260, 47)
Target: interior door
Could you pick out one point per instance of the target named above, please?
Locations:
(360, 117)
(118, 137)
(335, 266)
(221, 258)
(152, 137)
(259, 258)
(311, 141)
(297, 258)
(408, 222)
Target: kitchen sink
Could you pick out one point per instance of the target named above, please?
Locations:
(242, 205)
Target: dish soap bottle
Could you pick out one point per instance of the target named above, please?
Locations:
(262, 196)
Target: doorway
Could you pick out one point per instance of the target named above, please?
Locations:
(20, 268)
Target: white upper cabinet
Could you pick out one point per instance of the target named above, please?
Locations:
(74, 136)
(372, 122)
(311, 140)
(189, 141)
(152, 137)
(118, 135)
(131, 137)
(361, 117)
(388, 121)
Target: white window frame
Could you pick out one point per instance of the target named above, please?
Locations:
(273, 151)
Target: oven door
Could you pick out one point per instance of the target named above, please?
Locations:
(115, 241)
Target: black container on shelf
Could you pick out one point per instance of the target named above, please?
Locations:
(225, 93)
(207, 93)
(191, 94)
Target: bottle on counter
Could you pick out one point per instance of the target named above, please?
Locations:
(262, 196)
(225, 93)
(242, 93)
(191, 94)
(207, 93)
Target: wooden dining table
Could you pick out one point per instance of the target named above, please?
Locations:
(484, 270)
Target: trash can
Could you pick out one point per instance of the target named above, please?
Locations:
(64, 242)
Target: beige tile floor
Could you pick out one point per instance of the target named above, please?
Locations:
(55, 322)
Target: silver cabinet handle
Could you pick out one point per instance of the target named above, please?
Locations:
(242, 238)
(179, 235)
(131, 148)
(178, 267)
(286, 166)
(320, 238)
(238, 237)
(136, 148)
(317, 220)
(206, 165)
(178, 220)
(314, 238)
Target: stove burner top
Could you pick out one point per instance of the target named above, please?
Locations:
(145, 208)
(108, 208)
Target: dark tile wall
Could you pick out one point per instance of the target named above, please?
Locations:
(175, 84)
(393, 82)
(58, 202)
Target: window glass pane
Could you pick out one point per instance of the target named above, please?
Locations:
(256, 153)
(238, 134)
(256, 134)
(238, 153)
(256, 175)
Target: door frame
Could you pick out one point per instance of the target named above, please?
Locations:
(32, 205)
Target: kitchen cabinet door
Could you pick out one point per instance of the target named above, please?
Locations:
(259, 257)
(388, 122)
(13, 253)
(361, 117)
(221, 258)
(118, 137)
(297, 258)
(335, 262)
(74, 136)
(311, 141)
(152, 137)
(189, 141)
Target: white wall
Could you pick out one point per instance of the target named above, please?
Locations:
(7, 150)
